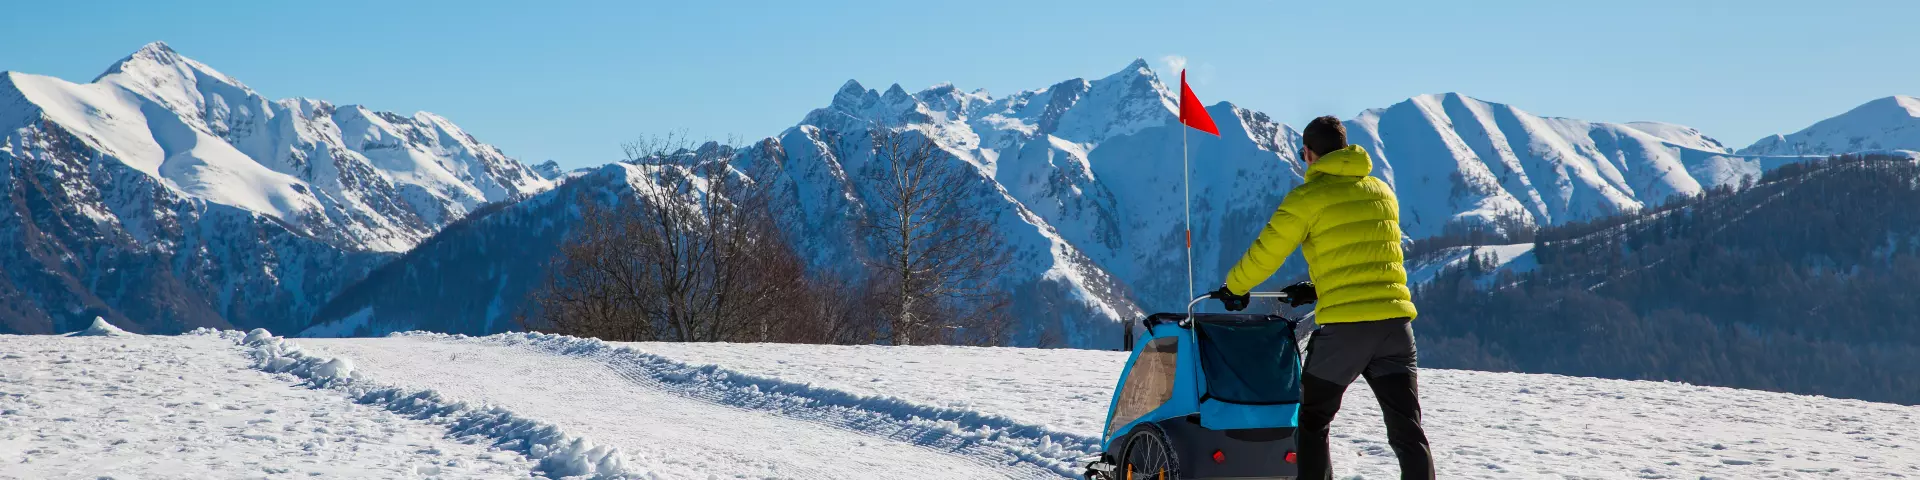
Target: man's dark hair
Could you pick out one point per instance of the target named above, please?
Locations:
(1324, 135)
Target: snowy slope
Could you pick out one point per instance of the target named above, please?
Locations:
(1459, 161)
(156, 142)
(1681, 135)
(192, 407)
(765, 410)
(355, 177)
(1891, 123)
(358, 178)
(395, 178)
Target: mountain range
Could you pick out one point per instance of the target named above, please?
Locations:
(1080, 178)
(164, 168)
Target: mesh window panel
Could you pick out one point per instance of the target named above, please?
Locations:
(1250, 362)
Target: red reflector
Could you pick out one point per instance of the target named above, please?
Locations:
(1291, 458)
(1219, 457)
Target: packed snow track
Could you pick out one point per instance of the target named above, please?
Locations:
(674, 420)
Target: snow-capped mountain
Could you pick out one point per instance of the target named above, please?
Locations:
(164, 184)
(1891, 123)
(1083, 179)
(1092, 165)
(1459, 161)
(354, 177)
(1098, 161)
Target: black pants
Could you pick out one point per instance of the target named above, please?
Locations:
(1383, 351)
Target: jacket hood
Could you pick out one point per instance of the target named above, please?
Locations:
(1347, 162)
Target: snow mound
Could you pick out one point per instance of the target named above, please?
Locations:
(100, 328)
(556, 453)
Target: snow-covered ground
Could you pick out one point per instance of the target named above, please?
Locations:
(517, 404)
(680, 421)
(1481, 424)
(130, 406)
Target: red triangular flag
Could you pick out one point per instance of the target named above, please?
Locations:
(1192, 113)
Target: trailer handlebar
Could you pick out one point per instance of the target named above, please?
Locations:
(1188, 322)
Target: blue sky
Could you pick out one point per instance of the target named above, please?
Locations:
(571, 81)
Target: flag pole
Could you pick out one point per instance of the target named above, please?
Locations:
(1186, 198)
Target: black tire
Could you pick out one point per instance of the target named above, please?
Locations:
(1148, 455)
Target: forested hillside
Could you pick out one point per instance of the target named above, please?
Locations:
(1801, 283)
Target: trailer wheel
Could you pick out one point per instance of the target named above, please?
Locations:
(1149, 456)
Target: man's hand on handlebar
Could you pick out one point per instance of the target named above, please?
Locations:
(1300, 294)
(1232, 302)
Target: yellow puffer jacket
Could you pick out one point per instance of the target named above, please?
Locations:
(1348, 223)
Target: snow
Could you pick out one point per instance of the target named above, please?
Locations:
(1481, 424)
(690, 421)
(153, 140)
(365, 179)
(100, 328)
(1681, 135)
(1889, 123)
(1457, 160)
(556, 452)
(228, 405)
(192, 407)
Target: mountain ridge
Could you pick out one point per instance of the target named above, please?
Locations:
(165, 195)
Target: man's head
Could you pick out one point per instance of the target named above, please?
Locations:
(1322, 136)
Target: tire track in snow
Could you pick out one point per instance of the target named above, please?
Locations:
(977, 437)
(555, 452)
(634, 372)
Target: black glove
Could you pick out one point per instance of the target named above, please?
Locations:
(1300, 294)
(1234, 303)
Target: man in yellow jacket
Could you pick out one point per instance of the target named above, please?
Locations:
(1348, 227)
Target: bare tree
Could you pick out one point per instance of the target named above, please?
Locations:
(836, 310)
(938, 256)
(695, 255)
(592, 287)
